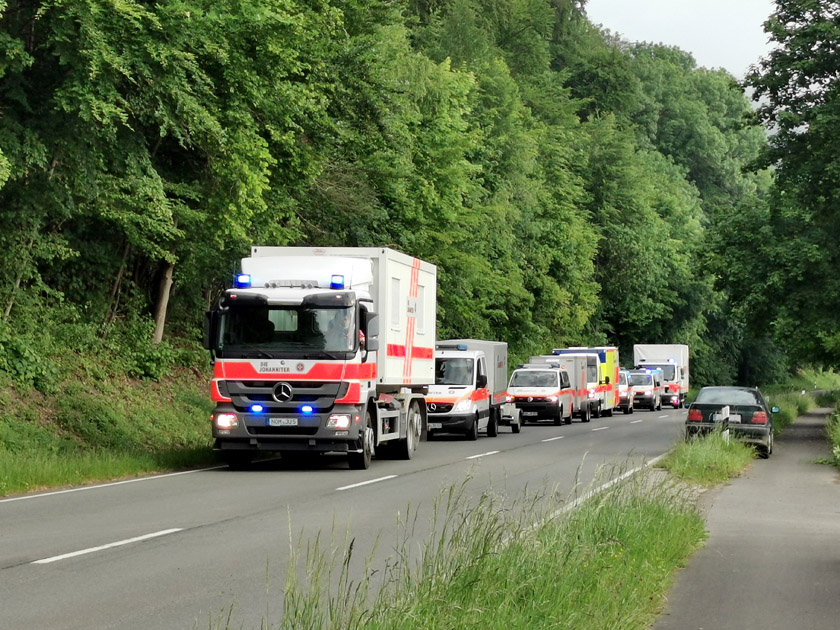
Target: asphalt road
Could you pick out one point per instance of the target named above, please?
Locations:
(772, 559)
(185, 550)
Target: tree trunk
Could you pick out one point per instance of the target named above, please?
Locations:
(162, 302)
(116, 288)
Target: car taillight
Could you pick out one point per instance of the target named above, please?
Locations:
(759, 417)
(695, 415)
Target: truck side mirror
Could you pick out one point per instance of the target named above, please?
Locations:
(211, 330)
(607, 380)
(370, 323)
(481, 381)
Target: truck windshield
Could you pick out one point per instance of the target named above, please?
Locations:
(453, 371)
(534, 378)
(669, 372)
(285, 329)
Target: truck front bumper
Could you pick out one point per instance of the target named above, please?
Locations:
(288, 432)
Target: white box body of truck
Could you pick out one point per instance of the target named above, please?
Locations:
(323, 350)
(672, 359)
(470, 387)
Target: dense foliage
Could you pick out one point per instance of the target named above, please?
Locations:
(571, 187)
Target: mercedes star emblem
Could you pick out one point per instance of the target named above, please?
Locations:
(282, 392)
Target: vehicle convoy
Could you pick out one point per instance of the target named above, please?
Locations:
(603, 394)
(583, 376)
(625, 393)
(469, 388)
(542, 391)
(323, 350)
(743, 410)
(646, 386)
(672, 359)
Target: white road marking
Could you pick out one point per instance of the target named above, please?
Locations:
(662, 416)
(365, 483)
(559, 437)
(108, 485)
(120, 543)
(482, 455)
(599, 429)
(636, 421)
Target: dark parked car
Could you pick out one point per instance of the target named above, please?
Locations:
(750, 418)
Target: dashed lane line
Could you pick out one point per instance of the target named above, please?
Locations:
(366, 483)
(119, 543)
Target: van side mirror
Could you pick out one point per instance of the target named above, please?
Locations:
(481, 381)
(775, 410)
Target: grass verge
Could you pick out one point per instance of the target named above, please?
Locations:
(708, 460)
(488, 564)
(94, 430)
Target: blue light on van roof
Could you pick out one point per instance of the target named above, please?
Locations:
(243, 281)
(337, 281)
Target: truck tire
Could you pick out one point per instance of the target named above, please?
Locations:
(414, 421)
(586, 416)
(597, 412)
(361, 461)
(472, 432)
(516, 427)
(493, 423)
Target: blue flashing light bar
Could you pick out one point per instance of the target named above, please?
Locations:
(337, 281)
(306, 409)
(243, 281)
(257, 408)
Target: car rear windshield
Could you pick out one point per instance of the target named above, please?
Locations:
(727, 396)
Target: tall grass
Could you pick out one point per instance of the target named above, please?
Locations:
(495, 564)
(833, 430)
(709, 459)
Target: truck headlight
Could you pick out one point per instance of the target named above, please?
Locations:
(339, 421)
(226, 421)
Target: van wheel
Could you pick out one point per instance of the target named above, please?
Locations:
(597, 412)
(587, 414)
(558, 419)
(493, 423)
(516, 428)
(472, 432)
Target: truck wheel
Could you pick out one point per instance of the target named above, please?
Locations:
(361, 461)
(472, 432)
(493, 423)
(587, 414)
(517, 427)
(414, 426)
(597, 412)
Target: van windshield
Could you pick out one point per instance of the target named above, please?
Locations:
(453, 371)
(534, 378)
(641, 379)
(669, 371)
